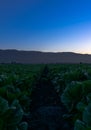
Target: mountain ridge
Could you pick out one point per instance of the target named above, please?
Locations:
(35, 57)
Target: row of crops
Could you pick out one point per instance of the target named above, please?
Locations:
(16, 84)
(72, 82)
(73, 85)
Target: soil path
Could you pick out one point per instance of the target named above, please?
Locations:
(46, 107)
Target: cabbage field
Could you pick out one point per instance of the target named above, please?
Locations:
(45, 97)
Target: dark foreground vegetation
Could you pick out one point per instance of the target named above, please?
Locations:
(45, 97)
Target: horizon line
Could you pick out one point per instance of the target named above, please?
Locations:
(45, 51)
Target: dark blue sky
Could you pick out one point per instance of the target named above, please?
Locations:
(46, 25)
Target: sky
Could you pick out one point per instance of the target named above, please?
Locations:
(46, 25)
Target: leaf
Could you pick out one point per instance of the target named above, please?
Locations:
(87, 115)
(3, 105)
(79, 125)
(70, 95)
(15, 113)
(88, 97)
(81, 106)
(86, 87)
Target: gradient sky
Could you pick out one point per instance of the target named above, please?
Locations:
(46, 25)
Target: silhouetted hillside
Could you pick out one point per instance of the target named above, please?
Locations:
(9, 56)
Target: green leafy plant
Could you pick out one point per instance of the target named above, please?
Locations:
(70, 95)
(79, 125)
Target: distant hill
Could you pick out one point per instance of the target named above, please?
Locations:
(32, 57)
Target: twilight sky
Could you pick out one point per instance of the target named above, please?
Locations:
(46, 25)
